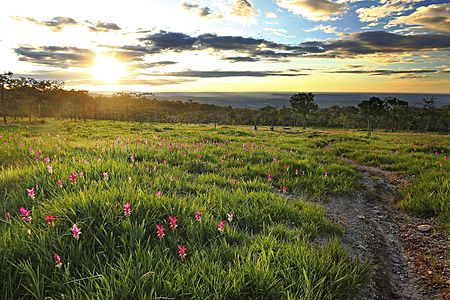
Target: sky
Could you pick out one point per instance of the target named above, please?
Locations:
(398, 46)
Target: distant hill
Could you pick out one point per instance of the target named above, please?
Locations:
(278, 99)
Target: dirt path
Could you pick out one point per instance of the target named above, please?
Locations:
(377, 230)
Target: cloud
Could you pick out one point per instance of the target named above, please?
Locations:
(433, 17)
(55, 24)
(236, 59)
(316, 10)
(56, 56)
(243, 8)
(103, 27)
(59, 23)
(231, 42)
(164, 40)
(386, 9)
(401, 74)
(154, 82)
(373, 42)
(201, 11)
(219, 74)
(126, 55)
(154, 64)
(347, 45)
(383, 71)
(324, 28)
(270, 15)
(279, 31)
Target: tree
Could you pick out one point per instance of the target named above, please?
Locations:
(395, 108)
(304, 105)
(371, 109)
(429, 106)
(5, 79)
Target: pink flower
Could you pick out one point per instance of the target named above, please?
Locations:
(198, 215)
(296, 171)
(284, 188)
(30, 149)
(132, 158)
(50, 219)
(39, 152)
(230, 217)
(182, 251)
(75, 231)
(58, 261)
(8, 216)
(446, 157)
(221, 226)
(60, 183)
(81, 174)
(49, 169)
(303, 172)
(25, 213)
(127, 209)
(105, 175)
(47, 159)
(269, 177)
(173, 222)
(160, 230)
(158, 194)
(73, 177)
(147, 166)
(31, 193)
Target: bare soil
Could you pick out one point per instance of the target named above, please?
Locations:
(409, 263)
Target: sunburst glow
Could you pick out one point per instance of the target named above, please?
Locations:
(108, 69)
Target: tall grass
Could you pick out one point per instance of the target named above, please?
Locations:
(274, 247)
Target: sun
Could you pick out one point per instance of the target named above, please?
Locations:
(108, 69)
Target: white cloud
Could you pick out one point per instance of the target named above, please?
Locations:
(433, 17)
(324, 28)
(279, 31)
(316, 10)
(386, 9)
(271, 15)
(243, 8)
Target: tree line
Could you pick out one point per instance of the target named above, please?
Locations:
(34, 99)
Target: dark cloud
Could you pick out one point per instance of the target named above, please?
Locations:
(232, 42)
(216, 74)
(164, 40)
(373, 42)
(383, 72)
(56, 56)
(156, 82)
(362, 43)
(241, 59)
(58, 24)
(55, 24)
(154, 64)
(104, 27)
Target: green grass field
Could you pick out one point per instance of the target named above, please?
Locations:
(278, 243)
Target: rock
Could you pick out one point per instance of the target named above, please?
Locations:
(424, 227)
(361, 217)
